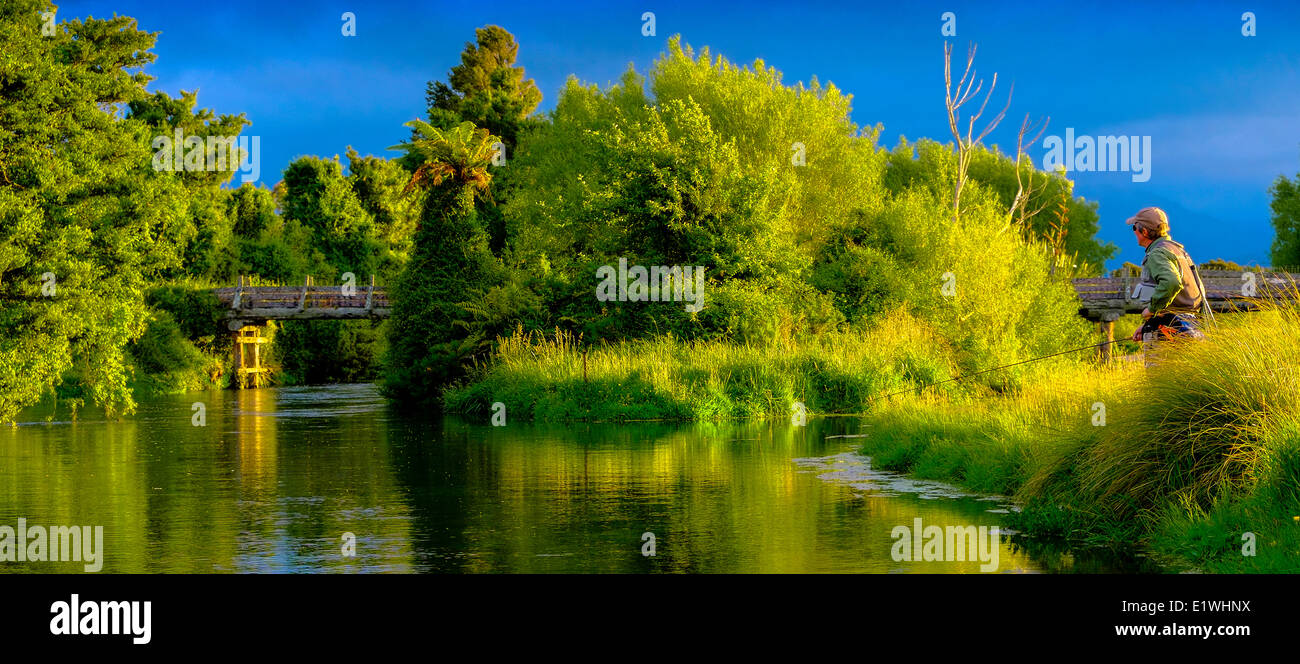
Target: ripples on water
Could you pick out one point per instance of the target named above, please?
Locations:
(278, 475)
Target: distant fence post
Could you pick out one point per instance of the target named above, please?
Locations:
(1107, 326)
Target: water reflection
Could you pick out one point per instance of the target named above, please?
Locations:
(277, 476)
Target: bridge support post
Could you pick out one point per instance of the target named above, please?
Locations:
(239, 361)
(1107, 327)
(246, 375)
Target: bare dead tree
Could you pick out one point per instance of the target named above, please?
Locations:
(966, 142)
(1020, 211)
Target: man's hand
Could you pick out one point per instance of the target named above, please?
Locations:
(1137, 334)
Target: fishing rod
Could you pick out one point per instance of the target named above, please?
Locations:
(1005, 366)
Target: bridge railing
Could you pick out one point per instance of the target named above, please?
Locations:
(279, 297)
(1105, 298)
(247, 304)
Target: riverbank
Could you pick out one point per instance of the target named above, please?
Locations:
(556, 379)
(1196, 458)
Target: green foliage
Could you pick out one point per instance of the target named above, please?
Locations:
(1233, 396)
(349, 348)
(1004, 307)
(931, 165)
(211, 251)
(431, 336)
(166, 360)
(487, 89)
(1285, 205)
(707, 174)
(695, 178)
(251, 210)
(321, 200)
(558, 377)
(1127, 270)
(750, 107)
(194, 309)
(379, 185)
(164, 115)
(1196, 449)
(1215, 264)
(80, 201)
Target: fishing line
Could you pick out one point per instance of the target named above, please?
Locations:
(993, 369)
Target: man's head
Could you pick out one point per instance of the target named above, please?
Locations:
(1149, 224)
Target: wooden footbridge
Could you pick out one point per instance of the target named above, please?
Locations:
(1105, 299)
(1102, 300)
(255, 305)
(248, 308)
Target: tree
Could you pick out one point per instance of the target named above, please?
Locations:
(486, 89)
(953, 101)
(251, 210)
(379, 184)
(1286, 222)
(211, 251)
(317, 196)
(451, 266)
(928, 164)
(85, 221)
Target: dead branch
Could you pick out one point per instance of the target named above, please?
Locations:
(967, 88)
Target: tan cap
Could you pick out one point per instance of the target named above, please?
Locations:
(1151, 219)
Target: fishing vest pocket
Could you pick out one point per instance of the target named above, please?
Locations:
(1189, 296)
(1142, 292)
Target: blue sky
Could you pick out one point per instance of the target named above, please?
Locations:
(1222, 109)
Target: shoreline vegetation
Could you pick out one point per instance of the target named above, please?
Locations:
(1195, 458)
(834, 271)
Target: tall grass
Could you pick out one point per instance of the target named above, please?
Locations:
(557, 377)
(1186, 456)
(1196, 426)
(990, 442)
(1195, 454)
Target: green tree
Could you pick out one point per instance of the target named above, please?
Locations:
(212, 251)
(316, 195)
(268, 245)
(85, 221)
(931, 165)
(486, 89)
(451, 266)
(379, 185)
(1285, 205)
(725, 167)
(1221, 264)
(251, 210)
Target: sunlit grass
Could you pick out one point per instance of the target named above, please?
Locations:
(1183, 456)
(1193, 452)
(558, 377)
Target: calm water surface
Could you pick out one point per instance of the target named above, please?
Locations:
(276, 477)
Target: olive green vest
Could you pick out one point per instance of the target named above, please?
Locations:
(1188, 300)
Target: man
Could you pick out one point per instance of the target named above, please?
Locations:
(1168, 284)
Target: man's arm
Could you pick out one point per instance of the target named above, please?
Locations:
(1164, 270)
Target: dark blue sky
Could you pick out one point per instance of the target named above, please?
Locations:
(1222, 110)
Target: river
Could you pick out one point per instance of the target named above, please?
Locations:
(275, 480)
